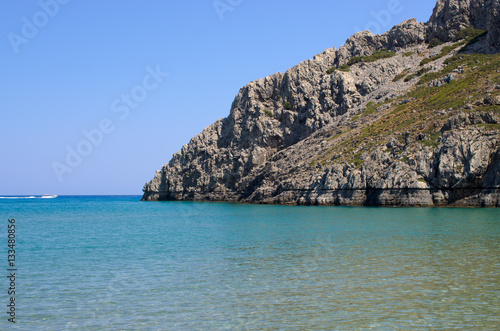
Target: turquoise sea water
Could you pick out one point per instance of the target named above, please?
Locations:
(102, 263)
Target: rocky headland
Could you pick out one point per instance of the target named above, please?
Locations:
(407, 118)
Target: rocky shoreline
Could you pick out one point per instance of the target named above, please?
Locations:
(407, 118)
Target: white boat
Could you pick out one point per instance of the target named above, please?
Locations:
(49, 196)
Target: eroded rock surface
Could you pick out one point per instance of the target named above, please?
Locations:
(279, 143)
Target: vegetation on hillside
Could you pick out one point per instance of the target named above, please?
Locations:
(268, 113)
(467, 36)
(377, 55)
(422, 111)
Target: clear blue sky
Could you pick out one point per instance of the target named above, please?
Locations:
(68, 66)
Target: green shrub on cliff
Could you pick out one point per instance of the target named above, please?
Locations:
(377, 55)
(434, 42)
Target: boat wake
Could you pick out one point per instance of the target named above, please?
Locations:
(30, 197)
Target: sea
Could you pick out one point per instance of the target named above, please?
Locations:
(116, 263)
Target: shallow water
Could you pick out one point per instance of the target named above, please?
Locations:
(118, 263)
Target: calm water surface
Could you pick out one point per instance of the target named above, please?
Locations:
(96, 263)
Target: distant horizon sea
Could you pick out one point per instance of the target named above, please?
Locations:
(116, 263)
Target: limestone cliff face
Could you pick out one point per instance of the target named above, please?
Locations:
(452, 16)
(342, 129)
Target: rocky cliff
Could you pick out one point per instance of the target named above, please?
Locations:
(409, 118)
(452, 16)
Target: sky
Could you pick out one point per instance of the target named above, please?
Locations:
(98, 95)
